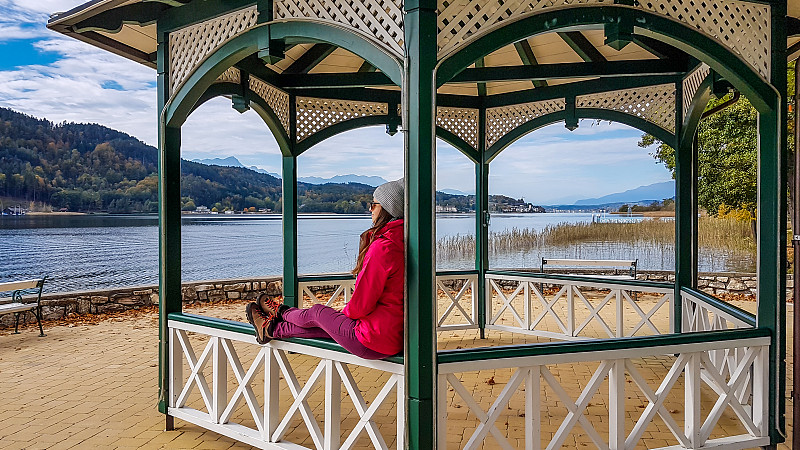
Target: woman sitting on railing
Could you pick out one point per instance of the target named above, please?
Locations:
(371, 324)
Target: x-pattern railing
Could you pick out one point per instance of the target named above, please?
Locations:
(342, 291)
(690, 372)
(272, 426)
(466, 291)
(571, 310)
(460, 291)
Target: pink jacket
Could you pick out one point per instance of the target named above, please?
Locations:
(377, 301)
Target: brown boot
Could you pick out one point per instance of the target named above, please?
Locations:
(260, 322)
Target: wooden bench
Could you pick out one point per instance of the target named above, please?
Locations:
(18, 304)
(628, 265)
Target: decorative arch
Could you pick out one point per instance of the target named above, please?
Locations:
(583, 113)
(689, 40)
(216, 62)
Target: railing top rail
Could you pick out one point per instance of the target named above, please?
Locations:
(243, 328)
(590, 262)
(325, 277)
(734, 312)
(312, 278)
(595, 345)
(455, 273)
(584, 279)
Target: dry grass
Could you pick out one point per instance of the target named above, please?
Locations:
(715, 234)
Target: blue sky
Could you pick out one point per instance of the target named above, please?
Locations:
(46, 75)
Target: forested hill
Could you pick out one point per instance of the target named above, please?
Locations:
(89, 167)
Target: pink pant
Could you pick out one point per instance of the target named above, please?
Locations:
(322, 321)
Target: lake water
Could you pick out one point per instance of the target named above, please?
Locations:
(98, 252)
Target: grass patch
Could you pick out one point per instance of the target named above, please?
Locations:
(713, 233)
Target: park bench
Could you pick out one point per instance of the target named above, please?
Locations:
(17, 304)
(628, 266)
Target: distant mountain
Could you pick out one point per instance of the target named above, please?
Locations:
(454, 192)
(649, 193)
(232, 161)
(349, 178)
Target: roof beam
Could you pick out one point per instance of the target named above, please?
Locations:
(367, 67)
(310, 59)
(581, 45)
(577, 88)
(527, 57)
(573, 70)
(657, 48)
(481, 86)
(333, 80)
(111, 21)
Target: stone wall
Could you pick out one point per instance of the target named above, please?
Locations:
(60, 305)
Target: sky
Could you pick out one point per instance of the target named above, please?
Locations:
(47, 75)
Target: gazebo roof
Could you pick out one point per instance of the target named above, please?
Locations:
(136, 39)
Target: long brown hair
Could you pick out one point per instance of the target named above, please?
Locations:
(368, 237)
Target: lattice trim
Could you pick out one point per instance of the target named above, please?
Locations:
(380, 19)
(232, 75)
(655, 104)
(463, 122)
(190, 45)
(461, 19)
(500, 121)
(691, 84)
(743, 27)
(316, 114)
(275, 98)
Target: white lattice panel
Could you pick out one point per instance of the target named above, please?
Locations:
(743, 27)
(692, 83)
(461, 19)
(232, 75)
(190, 45)
(275, 98)
(500, 121)
(379, 19)
(463, 122)
(655, 104)
(315, 114)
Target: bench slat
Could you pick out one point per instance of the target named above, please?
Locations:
(15, 307)
(19, 285)
(589, 262)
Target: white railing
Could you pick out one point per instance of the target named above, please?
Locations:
(702, 395)
(575, 307)
(263, 424)
(458, 309)
(701, 315)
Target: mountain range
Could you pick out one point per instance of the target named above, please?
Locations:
(232, 161)
(655, 192)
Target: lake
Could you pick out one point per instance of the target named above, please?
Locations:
(81, 252)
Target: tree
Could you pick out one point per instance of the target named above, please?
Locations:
(727, 155)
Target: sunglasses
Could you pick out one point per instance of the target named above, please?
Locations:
(372, 205)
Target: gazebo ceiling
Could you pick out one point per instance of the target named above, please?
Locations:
(138, 42)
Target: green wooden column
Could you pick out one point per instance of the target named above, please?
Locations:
(169, 232)
(771, 216)
(420, 154)
(289, 208)
(685, 208)
(482, 222)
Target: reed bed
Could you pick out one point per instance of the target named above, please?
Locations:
(725, 235)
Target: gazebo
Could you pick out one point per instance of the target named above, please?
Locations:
(478, 74)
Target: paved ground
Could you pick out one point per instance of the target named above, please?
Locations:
(95, 386)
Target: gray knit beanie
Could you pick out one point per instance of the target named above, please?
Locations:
(391, 196)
